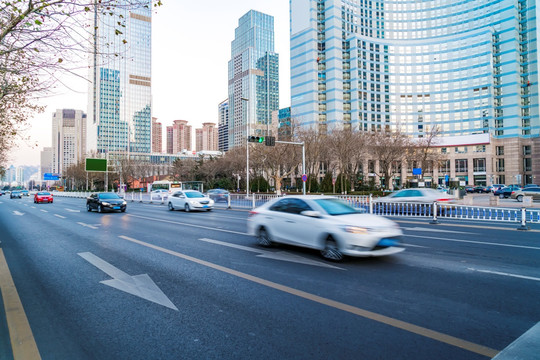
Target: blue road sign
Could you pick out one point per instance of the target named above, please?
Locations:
(51, 176)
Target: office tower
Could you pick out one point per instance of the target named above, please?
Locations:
(223, 125)
(68, 139)
(178, 137)
(119, 104)
(253, 78)
(206, 138)
(46, 161)
(284, 124)
(157, 136)
(467, 68)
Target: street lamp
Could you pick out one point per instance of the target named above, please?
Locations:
(247, 146)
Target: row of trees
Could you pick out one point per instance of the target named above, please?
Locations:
(342, 154)
(40, 41)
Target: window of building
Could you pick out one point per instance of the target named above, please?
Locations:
(499, 150)
(527, 164)
(479, 165)
(461, 165)
(499, 166)
(527, 150)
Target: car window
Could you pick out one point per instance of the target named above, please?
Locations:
(296, 206)
(404, 193)
(194, 194)
(108, 196)
(280, 205)
(335, 207)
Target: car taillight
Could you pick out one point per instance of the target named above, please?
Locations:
(442, 200)
(251, 213)
(513, 192)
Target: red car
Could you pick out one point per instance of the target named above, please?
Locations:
(43, 196)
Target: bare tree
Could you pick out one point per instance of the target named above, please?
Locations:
(313, 142)
(388, 148)
(278, 161)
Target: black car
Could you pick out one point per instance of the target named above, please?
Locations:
(506, 192)
(481, 189)
(15, 194)
(105, 201)
(218, 195)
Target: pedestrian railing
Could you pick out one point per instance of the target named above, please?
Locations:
(435, 211)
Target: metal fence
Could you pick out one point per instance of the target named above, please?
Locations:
(369, 204)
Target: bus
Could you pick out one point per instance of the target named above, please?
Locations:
(168, 187)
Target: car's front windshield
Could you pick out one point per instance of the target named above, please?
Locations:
(194, 194)
(336, 207)
(108, 196)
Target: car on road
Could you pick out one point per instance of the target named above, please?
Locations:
(481, 189)
(218, 195)
(25, 192)
(43, 196)
(534, 192)
(469, 189)
(505, 192)
(15, 194)
(105, 201)
(496, 187)
(417, 195)
(324, 223)
(189, 200)
(530, 185)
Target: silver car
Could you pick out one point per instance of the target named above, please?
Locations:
(534, 192)
(189, 200)
(417, 195)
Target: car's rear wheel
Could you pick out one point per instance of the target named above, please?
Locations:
(187, 208)
(331, 251)
(519, 198)
(208, 209)
(264, 238)
(170, 206)
(88, 208)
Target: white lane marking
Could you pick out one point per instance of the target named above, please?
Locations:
(416, 246)
(71, 210)
(86, 225)
(18, 213)
(33, 207)
(60, 216)
(188, 224)
(505, 274)
(43, 210)
(474, 242)
(281, 255)
(417, 228)
(139, 285)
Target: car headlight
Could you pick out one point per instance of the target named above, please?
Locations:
(124, 202)
(356, 230)
(193, 202)
(104, 203)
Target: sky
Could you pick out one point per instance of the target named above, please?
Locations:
(191, 47)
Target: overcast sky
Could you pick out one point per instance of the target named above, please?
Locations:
(191, 46)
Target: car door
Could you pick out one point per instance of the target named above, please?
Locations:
(275, 219)
(535, 193)
(176, 200)
(301, 229)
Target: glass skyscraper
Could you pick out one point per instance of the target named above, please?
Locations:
(119, 106)
(253, 78)
(468, 68)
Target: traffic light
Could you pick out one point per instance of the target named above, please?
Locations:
(270, 141)
(256, 139)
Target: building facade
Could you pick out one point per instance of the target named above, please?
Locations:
(253, 78)
(46, 161)
(223, 126)
(157, 136)
(463, 68)
(178, 137)
(119, 104)
(206, 138)
(68, 139)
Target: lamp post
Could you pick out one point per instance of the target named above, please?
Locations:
(247, 146)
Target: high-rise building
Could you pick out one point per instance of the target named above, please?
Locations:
(119, 105)
(178, 137)
(223, 125)
(206, 138)
(467, 68)
(68, 139)
(157, 136)
(253, 78)
(46, 161)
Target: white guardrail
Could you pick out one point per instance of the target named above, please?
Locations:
(368, 203)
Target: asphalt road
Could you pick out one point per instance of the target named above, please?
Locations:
(154, 284)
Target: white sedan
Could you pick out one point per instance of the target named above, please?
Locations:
(190, 200)
(324, 223)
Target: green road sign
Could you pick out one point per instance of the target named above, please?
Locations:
(96, 165)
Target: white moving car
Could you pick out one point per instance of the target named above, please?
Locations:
(189, 200)
(324, 223)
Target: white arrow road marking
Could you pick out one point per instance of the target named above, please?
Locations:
(138, 285)
(60, 216)
(18, 213)
(86, 225)
(71, 210)
(281, 255)
(417, 228)
(505, 274)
